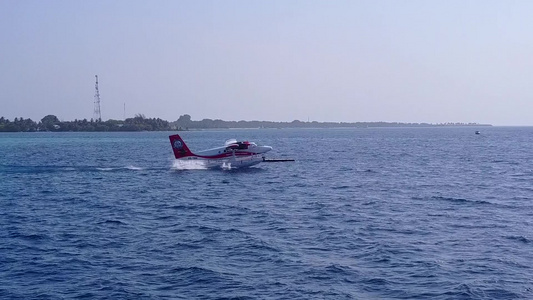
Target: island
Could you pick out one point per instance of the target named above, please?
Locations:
(185, 122)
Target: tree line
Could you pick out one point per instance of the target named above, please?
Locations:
(184, 122)
(52, 123)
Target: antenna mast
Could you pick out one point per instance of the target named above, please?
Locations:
(97, 113)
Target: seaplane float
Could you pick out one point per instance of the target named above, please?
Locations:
(234, 154)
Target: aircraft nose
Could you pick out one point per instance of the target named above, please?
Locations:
(266, 148)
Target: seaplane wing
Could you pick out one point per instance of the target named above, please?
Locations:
(230, 142)
(234, 153)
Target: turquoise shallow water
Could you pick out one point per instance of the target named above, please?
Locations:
(398, 213)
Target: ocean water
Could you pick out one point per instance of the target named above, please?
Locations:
(390, 213)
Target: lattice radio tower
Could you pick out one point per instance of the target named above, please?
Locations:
(97, 112)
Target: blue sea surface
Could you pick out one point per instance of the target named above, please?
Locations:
(385, 213)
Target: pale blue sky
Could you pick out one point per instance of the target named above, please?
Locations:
(405, 61)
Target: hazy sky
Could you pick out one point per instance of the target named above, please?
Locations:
(405, 61)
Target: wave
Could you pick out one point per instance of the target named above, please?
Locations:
(519, 238)
(112, 222)
(29, 237)
(460, 200)
(454, 200)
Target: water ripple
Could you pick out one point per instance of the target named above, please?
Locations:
(398, 214)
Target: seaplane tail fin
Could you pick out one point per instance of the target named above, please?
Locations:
(179, 147)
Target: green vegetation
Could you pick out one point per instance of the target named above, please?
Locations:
(184, 122)
(52, 123)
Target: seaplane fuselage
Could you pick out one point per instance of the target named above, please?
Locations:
(233, 154)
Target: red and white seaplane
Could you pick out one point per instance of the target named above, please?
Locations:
(233, 154)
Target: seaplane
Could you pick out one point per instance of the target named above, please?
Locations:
(234, 154)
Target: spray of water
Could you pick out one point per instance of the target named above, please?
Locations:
(188, 165)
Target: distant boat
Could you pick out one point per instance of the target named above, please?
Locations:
(478, 132)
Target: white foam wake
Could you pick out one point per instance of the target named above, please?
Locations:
(130, 167)
(104, 169)
(188, 165)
